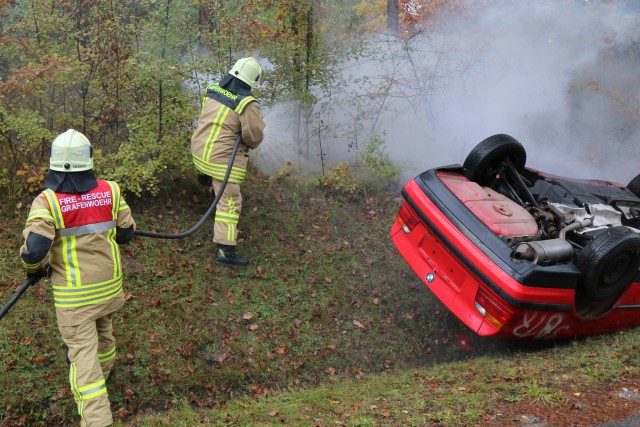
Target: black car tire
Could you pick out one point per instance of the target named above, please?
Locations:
(634, 185)
(608, 263)
(486, 158)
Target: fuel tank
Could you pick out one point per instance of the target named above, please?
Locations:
(502, 215)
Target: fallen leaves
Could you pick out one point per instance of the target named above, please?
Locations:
(358, 324)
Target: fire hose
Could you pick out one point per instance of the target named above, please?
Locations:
(33, 279)
(17, 294)
(209, 211)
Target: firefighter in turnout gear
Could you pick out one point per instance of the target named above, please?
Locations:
(79, 221)
(228, 111)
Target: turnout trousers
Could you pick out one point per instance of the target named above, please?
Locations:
(225, 231)
(91, 353)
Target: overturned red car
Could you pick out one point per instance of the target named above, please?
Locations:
(514, 252)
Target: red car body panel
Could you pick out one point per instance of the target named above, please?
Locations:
(456, 265)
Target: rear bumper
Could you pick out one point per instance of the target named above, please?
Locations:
(442, 274)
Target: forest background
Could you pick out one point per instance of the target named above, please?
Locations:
(347, 86)
(131, 74)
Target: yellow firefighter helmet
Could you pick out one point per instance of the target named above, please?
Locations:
(71, 152)
(248, 70)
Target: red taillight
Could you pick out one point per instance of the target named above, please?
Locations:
(407, 218)
(493, 309)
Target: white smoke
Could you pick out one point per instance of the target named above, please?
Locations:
(559, 76)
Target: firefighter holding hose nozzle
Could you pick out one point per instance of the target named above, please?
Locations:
(228, 110)
(79, 221)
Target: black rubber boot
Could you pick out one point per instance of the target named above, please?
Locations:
(227, 255)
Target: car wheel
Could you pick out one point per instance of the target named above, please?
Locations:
(608, 263)
(634, 185)
(485, 160)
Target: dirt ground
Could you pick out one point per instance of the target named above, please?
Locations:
(584, 409)
(604, 406)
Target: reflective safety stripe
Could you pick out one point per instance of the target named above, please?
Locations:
(40, 213)
(55, 208)
(31, 266)
(204, 102)
(231, 226)
(231, 232)
(65, 296)
(227, 218)
(88, 229)
(216, 127)
(70, 259)
(92, 390)
(106, 356)
(218, 171)
(244, 103)
(115, 198)
(111, 237)
(76, 393)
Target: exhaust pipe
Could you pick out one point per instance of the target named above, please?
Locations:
(549, 252)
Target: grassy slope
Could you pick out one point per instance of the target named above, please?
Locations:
(327, 325)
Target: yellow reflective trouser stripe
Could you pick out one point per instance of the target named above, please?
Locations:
(231, 229)
(65, 296)
(87, 392)
(40, 213)
(227, 218)
(76, 394)
(215, 131)
(92, 390)
(230, 218)
(219, 171)
(106, 356)
(231, 232)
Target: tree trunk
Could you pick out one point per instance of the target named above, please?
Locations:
(393, 15)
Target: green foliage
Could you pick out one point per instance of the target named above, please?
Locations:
(377, 160)
(132, 75)
(376, 172)
(340, 180)
(22, 138)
